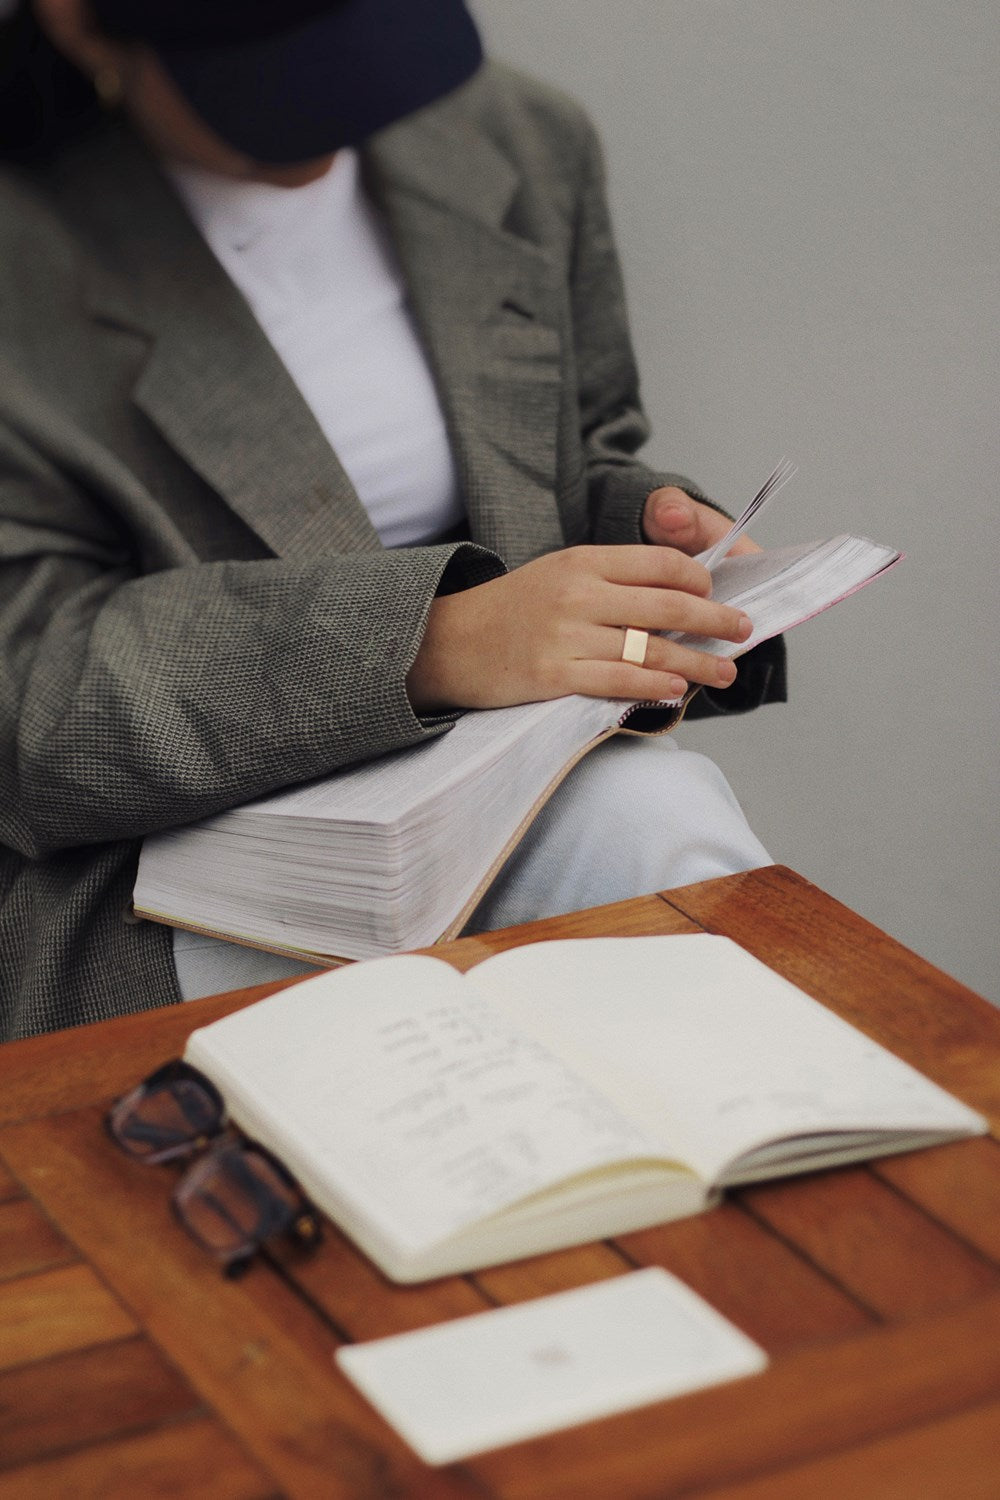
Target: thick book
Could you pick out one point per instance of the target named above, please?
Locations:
(397, 853)
(557, 1093)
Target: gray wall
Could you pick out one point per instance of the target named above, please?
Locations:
(805, 196)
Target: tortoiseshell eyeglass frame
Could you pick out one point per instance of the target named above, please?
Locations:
(237, 1194)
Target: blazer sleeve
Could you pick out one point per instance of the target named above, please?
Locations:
(133, 702)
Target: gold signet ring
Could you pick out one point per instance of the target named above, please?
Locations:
(634, 649)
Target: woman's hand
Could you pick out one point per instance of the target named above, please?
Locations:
(672, 519)
(556, 626)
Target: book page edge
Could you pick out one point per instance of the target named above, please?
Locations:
(302, 955)
(454, 927)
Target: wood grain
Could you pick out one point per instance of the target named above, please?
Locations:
(958, 1184)
(555, 1272)
(807, 1404)
(9, 1185)
(767, 1287)
(884, 989)
(882, 1249)
(360, 1302)
(954, 1459)
(68, 1308)
(70, 1400)
(257, 1355)
(28, 1242)
(63, 1070)
(198, 1459)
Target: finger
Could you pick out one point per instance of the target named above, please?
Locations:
(669, 609)
(663, 658)
(684, 661)
(644, 567)
(605, 679)
(673, 518)
(671, 521)
(742, 546)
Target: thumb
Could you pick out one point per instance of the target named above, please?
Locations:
(671, 519)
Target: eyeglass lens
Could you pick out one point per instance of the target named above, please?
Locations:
(234, 1198)
(159, 1121)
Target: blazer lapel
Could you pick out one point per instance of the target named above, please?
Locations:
(212, 383)
(489, 307)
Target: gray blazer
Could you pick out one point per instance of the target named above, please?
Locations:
(194, 607)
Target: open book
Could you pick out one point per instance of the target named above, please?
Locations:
(557, 1093)
(376, 859)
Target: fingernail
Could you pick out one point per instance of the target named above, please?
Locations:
(746, 627)
(678, 687)
(672, 514)
(726, 673)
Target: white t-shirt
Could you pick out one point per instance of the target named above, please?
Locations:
(319, 274)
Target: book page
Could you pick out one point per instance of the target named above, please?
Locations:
(784, 586)
(400, 1100)
(707, 1049)
(774, 482)
(393, 788)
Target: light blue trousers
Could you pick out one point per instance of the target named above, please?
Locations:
(636, 815)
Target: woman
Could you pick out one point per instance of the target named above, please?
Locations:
(317, 427)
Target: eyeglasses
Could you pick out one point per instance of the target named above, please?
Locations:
(237, 1195)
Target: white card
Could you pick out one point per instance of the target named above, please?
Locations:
(498, 1377)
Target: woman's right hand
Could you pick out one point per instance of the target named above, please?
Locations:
(556, 626)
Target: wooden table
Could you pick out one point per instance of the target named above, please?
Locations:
(130, 1368)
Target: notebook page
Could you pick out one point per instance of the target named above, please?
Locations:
(396, 1098)
(716, 1051)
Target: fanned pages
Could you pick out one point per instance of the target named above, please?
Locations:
(772, 484)
(557, 1093)
(377, 859)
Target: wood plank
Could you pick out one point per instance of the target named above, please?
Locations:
(198, 1459)
(957, 1457)
(360, 1302)
(764, 1286)
(257, 1354)
(68, 1308)
(905, 1003)
(63, 1070)
(28, 1242)
(84, 1397)
(884, 1250)
(9, 1185)
(958, 1184)
(807, 1404)
(556, 1272)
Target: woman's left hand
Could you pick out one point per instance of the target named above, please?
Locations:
(672, 519)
